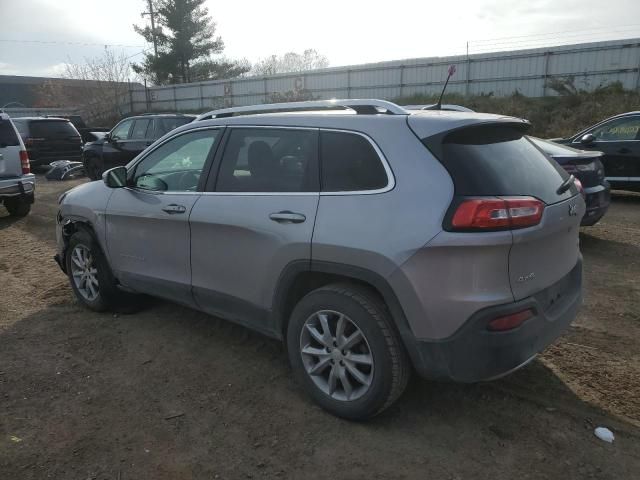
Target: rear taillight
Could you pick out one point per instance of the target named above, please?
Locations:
(509, 322)
(497, 213)
(24, 162)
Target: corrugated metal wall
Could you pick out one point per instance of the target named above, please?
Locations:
(524, 71)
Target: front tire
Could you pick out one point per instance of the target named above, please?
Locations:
(93, 168)
(91, 278)
(345, 352)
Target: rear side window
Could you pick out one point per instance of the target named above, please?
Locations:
(165, 125)
(53, 129)
(8, 137)
(140, 128)
(269, 160)
(499, 161)
(349, 163)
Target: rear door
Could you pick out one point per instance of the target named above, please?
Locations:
(54, 139)
(10, 147)
(255, 219)
(499, 161)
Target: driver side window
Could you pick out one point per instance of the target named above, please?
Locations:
(121, 132)
(623, 129)
(176, 165)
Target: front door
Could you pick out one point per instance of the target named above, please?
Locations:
(252, 222)
(619, 140)
(147, 223)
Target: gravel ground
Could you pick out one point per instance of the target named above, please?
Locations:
(170, 393)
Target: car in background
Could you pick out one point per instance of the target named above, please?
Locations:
(618, 138)
(17, 183)
(128, 139)
(587, 167)
(433, 106)
(88, 133)
(49, 139)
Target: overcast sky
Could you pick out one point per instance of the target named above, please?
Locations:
(347, 32)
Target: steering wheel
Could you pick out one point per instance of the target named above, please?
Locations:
(188, 181)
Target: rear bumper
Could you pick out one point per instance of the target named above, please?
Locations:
(24, 185)
(597, 200)
(474, 353)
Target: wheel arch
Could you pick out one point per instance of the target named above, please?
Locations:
(301, 277)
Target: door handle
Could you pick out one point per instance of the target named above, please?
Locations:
(287, 217)
(624, 150)
(173, 208)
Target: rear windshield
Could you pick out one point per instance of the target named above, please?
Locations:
(52, 129)
(165, 125)
(499, 161)
(8, 137)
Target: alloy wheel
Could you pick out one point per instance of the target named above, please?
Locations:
(336, 355)
(84, 273)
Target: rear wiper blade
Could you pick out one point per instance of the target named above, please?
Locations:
(566, 185)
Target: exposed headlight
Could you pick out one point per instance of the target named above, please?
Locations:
(586, 167)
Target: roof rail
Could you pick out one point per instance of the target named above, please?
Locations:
(359, 106)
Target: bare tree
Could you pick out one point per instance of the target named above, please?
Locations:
(310, 59)
(102, 92)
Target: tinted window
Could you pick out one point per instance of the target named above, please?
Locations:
(350, 163)
(140, 128)
(497, 160)
(165, 125)
(621, 129)
(269, 160)
(177, 164)
(8, 137)
(121, 131)
(52, 129)
(22, 126)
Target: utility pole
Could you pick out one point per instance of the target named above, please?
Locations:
(152, 14)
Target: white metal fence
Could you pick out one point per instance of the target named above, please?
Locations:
(500, 74)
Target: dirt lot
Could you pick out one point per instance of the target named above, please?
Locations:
(170, 393)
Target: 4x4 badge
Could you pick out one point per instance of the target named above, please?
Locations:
(573, 210)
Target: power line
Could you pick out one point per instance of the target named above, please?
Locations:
(595, 29)
(82, 44)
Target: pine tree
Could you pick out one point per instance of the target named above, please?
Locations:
(186, 40)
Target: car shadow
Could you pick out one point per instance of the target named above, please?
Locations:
(191, 389)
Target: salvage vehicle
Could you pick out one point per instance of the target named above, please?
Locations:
(371, 239)
(127, 140)
(587, 167)
(17, 183)
(618, 138)
(49, 139)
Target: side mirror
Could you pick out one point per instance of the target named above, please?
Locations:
(107, 137)
(587, 139)
(115, 177)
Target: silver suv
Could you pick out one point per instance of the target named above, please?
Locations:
(17, 183)
(369, 238)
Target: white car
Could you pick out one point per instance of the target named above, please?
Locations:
(17, 183)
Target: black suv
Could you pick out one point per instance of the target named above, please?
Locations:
(618, 138)
(48, 139)
(127, 139)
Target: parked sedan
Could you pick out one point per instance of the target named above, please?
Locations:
(587, 167)
(618, 138)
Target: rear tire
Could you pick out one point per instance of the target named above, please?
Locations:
(352, 380)
(91, 278)
(18, 207)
